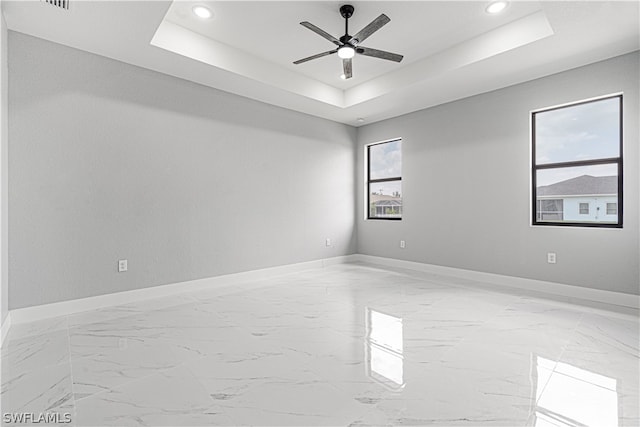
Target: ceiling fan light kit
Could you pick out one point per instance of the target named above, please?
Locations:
(349, 45)
(346, 52)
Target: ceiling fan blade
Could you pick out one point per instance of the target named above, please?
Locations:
(321, 32)
(373, 26)
(319, 55)
(346, 67)
(375, 53)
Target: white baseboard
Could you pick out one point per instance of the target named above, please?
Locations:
(559, 289)
(230, 281)
(224, 282)
(4, 330)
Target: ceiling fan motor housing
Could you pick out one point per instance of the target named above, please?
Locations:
(346, 11)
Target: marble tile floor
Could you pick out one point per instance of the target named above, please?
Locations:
(347, 345)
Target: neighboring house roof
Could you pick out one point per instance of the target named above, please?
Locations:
(385, 200)
(388, 203)
(585, 184)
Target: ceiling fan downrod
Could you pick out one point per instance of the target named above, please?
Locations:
(346, 11)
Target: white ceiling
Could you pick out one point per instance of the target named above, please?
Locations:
(452, 49)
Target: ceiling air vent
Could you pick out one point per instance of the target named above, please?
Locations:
(62, 4)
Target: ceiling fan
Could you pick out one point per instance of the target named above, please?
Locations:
(348, 45)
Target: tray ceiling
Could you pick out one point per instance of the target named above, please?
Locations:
(452, 49)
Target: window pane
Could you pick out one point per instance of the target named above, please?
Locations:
(584, 208)
(580, 132)
(577, 194)
(385, 199)
(550, 210)
(385, 160)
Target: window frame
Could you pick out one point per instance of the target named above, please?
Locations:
(576, 163)
(539, 207)
(580, 208)
(370, 181)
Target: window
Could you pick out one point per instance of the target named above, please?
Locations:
(576, 163)
(549, 209)
(384, 180)
(584, 208)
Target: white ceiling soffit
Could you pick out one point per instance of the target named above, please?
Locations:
(180, 40)
(452, 49)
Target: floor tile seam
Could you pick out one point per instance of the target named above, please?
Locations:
(209, 406)
(107, 357)
(581, 305)
(84, 356)
(10, 339)
(621, 349)
(437, 278)
(481, 327)
(249, 285)
(122, 315)
(141, 311)
(38, 370)
(622, 346)
(539, 295)
(33, 335)
(513, 306)
(559, 359)
(365, 407)
(317, 377)
(65, 359)
(470, 287)
(114, 318)
(137, 379)
(73, 394)
(72, 400)
(140, 337)
(542, 394)
(226, 413)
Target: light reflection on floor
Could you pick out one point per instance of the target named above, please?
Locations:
(384, 348)
(570, 396)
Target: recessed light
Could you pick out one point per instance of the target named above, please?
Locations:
(496, 7)
(343, 77)
(360, 120)
(202, 12)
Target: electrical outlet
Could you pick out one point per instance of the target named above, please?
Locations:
(402, 244)
(122, 265)
(551, 257)
(328, 242)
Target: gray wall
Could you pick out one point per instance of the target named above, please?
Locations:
(466, 186)
(111, 161)
(4, 186)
